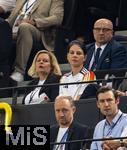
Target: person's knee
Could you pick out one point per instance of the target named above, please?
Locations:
(25, 27)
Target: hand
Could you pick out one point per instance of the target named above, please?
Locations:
(111, 144)
(30, 21)
(120, 93)
(105, 146)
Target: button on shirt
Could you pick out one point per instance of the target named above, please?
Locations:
(103, 128)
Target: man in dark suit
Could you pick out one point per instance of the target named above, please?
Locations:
(112, 54)
(66, 129)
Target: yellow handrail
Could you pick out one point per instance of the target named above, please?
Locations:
(8, 115)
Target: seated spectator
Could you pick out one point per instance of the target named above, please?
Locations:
(91, 10)
(7, 6)
(123, 86)
(67, 128)
(44, 70)
(33, 21)
(76, 57)
(105, 53)
(115, 121)
(122, 89)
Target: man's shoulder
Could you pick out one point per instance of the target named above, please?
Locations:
(77, 125)
(54, 128)
(79, 130)
(115, 44)
(100, 123)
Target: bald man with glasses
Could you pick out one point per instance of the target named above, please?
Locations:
(105, 53)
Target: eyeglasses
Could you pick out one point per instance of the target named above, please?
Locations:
(102, 29)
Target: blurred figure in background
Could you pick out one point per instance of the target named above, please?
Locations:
(32, 21)
(7, 6)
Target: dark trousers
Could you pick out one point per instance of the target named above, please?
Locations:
(5, 47)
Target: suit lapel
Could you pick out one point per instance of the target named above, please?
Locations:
(55, 133)
(89, 56)
(47, 81)
(20, 5)
(70, 133)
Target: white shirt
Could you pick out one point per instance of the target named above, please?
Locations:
(60, 135)
(34, 98)
(27, 7)
(7, 5)
(124, 134)
(24, 14)
(75, 89)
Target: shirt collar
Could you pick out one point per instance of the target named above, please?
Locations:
(102, 46)
(114, 119)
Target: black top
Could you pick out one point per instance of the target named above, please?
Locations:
(76, 131)
(51, 91)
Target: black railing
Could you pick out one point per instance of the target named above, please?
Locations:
(16, 89)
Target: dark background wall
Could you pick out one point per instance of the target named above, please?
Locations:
(43, 114)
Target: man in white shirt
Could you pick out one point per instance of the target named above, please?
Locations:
(67, 129)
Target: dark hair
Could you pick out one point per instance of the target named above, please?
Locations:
(104, 89)
(79, 43)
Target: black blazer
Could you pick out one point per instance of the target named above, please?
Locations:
(51, 91)
(114, 56)
(76, 132)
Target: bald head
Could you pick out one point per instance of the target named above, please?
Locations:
(104, 23)
(64, 110)
(103, 31)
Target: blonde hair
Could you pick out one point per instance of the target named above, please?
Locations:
(55, 68)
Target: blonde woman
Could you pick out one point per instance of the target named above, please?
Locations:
(44, 70)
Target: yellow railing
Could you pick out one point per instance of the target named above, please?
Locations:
(8, 115)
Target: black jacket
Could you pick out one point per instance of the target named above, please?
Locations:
(77, 131)
(51, 91)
